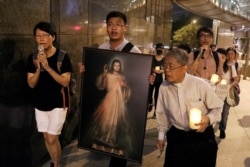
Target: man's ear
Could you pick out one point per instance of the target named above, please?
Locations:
(125, 28)
(53, 36)
(185, 68)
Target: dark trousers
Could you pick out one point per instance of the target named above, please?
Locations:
(190, 148)
(224, 116)
(117, 162)
(153, 87)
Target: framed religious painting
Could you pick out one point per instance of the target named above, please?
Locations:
(113, 102)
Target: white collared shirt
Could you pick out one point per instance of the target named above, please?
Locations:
(176, 100)
(106, 45)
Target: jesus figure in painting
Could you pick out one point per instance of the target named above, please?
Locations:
(110, 125)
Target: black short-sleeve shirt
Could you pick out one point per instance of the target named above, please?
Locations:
(47, 93)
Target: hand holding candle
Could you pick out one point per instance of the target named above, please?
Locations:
(223, 82)
(157, 68)
(214, 78)
(194, 118)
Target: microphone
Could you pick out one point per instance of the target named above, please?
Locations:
(40, 49)
(203, 53)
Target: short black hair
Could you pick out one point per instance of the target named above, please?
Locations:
(206, 30)
(45, 26)
(221, 50)
(117, 14)
(159, 46)
(185, 47)
(231, 48)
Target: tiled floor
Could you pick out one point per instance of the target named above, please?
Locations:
(234, 151)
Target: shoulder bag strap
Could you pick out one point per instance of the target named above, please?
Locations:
(127, 47)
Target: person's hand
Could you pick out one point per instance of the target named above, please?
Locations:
(160, 144)
(81, 67)
(158, 71)
(105, 68)
(42, 61)
(151, 79)
(205, 122)
(206, 47)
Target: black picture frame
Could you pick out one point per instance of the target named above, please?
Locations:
(128, 124)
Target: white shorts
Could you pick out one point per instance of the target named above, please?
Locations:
(51, 121)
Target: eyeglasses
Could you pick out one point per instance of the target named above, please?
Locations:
(44, 36)
(171, 68)
(203, 36)
(118, 25)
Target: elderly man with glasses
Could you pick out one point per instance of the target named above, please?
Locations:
(178, 95)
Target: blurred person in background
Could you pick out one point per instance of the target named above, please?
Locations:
(205, 62)
(157, 70)
(230, 69)
(222, 52)
(16, 111)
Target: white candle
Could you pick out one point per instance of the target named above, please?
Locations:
(194, 118)
(223, 82)
(214, 78)
(157, 67)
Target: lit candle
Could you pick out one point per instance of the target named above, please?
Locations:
(223, 82)
(194, 118)
(157, 67)
(214, 78)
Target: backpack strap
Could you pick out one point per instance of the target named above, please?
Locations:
(236, 65)
(60, 59)
(216, 57)
(196, 54)
(59, 64)
(127, 47)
